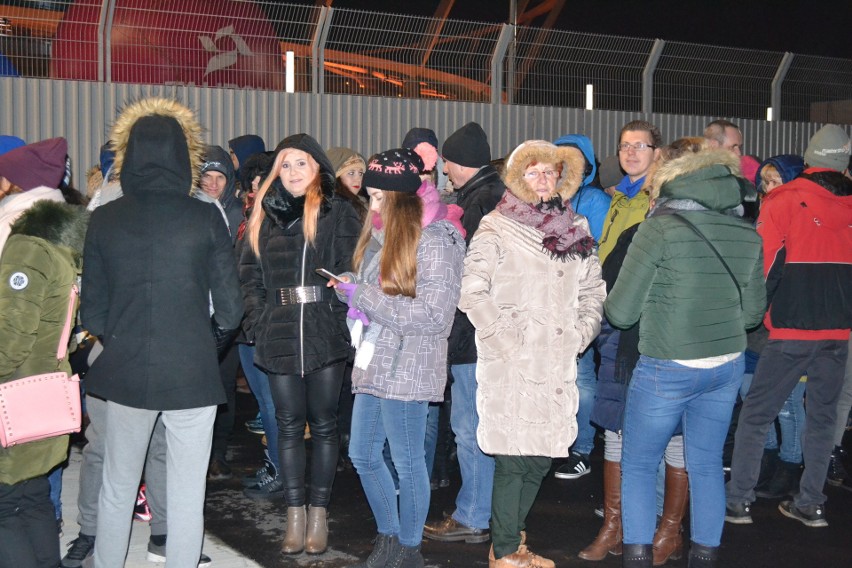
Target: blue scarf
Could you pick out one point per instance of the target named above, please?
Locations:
(628, 188)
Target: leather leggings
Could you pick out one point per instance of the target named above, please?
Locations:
(312, 399)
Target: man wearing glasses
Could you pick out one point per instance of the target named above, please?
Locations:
(638, 149)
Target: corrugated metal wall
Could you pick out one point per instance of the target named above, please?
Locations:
(82, 112)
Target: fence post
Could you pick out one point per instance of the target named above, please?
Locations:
(105, 41)
(648, 76)
(777, 81)
(506, 33)
(318, 50)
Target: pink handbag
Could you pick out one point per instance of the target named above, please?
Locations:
(42, 406)
(38, 407)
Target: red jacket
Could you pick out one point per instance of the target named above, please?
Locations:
(807, 255)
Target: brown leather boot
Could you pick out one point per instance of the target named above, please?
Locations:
(294, 539)
(316, 534)
(668, 540)
(608, 540)
(522, 558)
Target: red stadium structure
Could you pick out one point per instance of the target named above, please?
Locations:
(184, 42)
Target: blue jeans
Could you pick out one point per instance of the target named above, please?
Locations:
(259, 383)
(55, 480)
(663, 394)
(431, 443)
(473, 503)
(587, 382)
(792, 421)
(403, 425)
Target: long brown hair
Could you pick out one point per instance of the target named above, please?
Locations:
(313, 200)
(401, 216)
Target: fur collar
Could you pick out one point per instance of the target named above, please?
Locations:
(120, 133)
(541, 151)
(283, 208)
(58, 223)
(690, 163)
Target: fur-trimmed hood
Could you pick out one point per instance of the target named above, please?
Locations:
(710, 177)
(583, 144)
(59, 224)
(544, 152)
(158, 146)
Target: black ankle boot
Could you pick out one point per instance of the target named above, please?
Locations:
(701, 556)
(637, 555)
(406, 557)
(385, 547)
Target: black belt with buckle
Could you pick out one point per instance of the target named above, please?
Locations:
(302, 295)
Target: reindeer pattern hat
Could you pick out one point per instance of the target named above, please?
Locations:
(394, 170)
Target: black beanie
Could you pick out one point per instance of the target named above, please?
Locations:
(394, 170)
(468, 146)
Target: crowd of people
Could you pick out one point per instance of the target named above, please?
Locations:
(527, 302)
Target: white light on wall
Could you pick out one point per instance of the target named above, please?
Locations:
(769, 114)
(290, 79)
(590, 96)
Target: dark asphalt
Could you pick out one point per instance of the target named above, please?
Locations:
(560, 524)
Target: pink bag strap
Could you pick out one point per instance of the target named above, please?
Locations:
(62, 349)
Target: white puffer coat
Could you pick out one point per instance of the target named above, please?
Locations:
(533, 315)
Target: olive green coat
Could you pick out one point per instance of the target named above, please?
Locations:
(38, 267)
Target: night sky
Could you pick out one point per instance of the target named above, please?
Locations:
(813, 27)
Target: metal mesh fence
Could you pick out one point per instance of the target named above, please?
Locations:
(717, 81)
(818, 89)
(553, 68)
(242, 44)
(371, 53)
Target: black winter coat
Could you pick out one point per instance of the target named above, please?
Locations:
(478, 197)
(153, 260)
(298, 338)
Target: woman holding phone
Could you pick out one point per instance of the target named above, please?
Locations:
(401, 305)
(298, 326)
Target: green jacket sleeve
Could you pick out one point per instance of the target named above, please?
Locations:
(754, 296)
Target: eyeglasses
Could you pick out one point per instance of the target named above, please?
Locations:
(534, 174)
(638, 147)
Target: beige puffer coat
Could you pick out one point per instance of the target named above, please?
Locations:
(533, 315)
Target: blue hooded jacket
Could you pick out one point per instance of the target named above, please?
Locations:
(590, 201)
(789, 167)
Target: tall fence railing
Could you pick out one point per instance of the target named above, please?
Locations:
(244, 44)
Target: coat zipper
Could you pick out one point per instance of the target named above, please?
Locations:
(609, 227)
(302, 313)
(396, 356)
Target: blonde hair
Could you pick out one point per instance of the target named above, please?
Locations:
(310, 216)
(765, 171)
(681, 146)
(401, 215)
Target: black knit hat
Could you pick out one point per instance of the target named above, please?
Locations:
(417, 135)
(394, 170)
(468, 146)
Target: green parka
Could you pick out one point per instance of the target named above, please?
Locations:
(38, 267)
(673, 282)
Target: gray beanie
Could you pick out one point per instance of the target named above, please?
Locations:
(829, 148)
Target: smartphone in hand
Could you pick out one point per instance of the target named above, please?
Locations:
(326, 274)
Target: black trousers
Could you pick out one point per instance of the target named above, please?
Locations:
(312, 399)
(224, 425)
(29, 537)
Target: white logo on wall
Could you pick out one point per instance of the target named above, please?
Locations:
(18, 281)
(224, 59)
